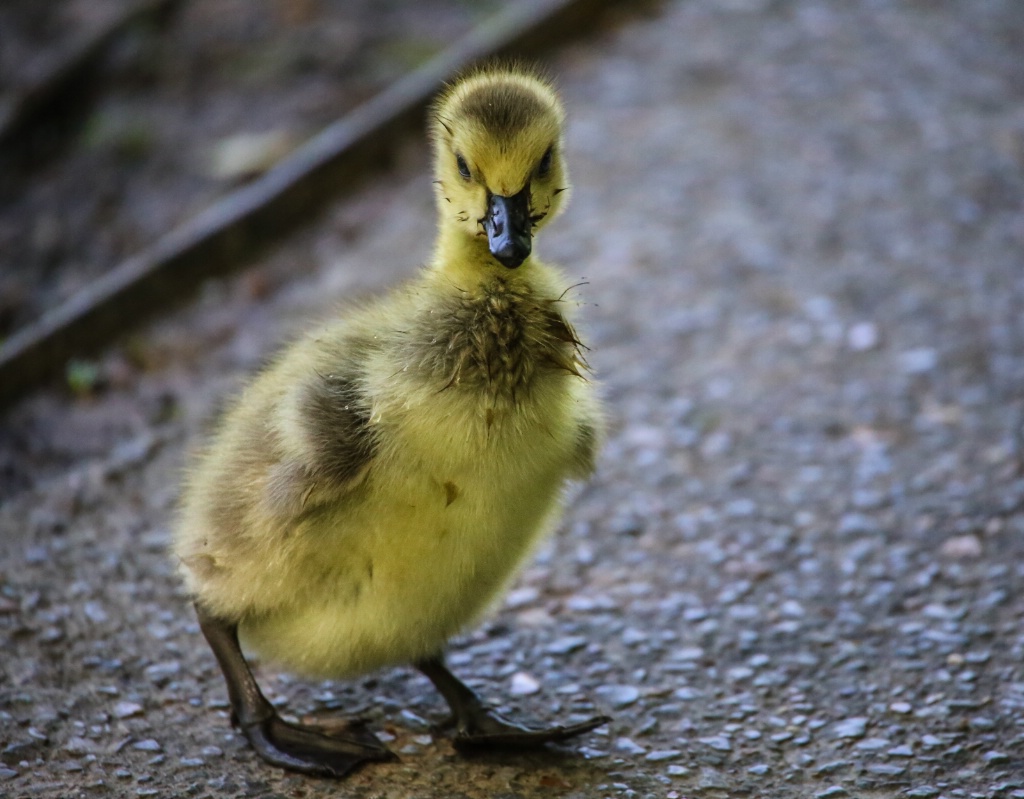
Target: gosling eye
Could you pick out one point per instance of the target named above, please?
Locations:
(545, 163)
(460, 162)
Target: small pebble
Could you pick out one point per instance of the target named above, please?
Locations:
(745, 612)
(828, 768)
(662, 754)
(862, 336)
(632, 636)
(126, 710)
(718, 742)
(792, 609)
(831, 791)
(759, 769)
(147, 745)
(919, 361)
(739, 508)
(850, 728)
(618, 696)
(921, 792)
(629, 746)
(36, 555)
(885, 769)
(521, 597)
(854, 524)
(961, 547)
(523, 684)
(565, 645)
(872, 744)
(51, 635)
(79, 746)
(413, 720)
(161, 673)
(712, 779)
(95, 612)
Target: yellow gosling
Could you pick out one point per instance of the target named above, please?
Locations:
(375, 489)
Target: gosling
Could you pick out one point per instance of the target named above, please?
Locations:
(376, 488)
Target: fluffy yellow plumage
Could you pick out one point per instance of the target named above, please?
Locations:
(374, 490)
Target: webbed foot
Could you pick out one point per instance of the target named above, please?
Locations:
(486, 728)
(479, 727)
(309, 750)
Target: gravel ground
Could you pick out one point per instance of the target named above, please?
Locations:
(798, 570)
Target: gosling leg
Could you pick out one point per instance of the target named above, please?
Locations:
(479, 727)
(291, 746)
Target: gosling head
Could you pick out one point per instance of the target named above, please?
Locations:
(500, 176)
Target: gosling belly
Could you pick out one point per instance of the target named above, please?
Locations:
(404, 578)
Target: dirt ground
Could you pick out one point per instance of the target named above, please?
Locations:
(799, 571)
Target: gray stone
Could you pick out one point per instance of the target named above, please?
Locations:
(850, 728)
(618, 696)
(718, 742)
(126, 710)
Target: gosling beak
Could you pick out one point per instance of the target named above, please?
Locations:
(508, 227)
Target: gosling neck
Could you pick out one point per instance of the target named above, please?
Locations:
(467, 261)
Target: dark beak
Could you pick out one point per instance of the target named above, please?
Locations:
(508, 227)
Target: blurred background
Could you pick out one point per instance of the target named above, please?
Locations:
(167, 106)
(796, 236)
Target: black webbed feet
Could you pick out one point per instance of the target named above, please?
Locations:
(311, 750)
(479, 727)
(487, 729)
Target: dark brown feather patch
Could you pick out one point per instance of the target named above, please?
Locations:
(504, 109)
(338, 421)
(502, 338)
